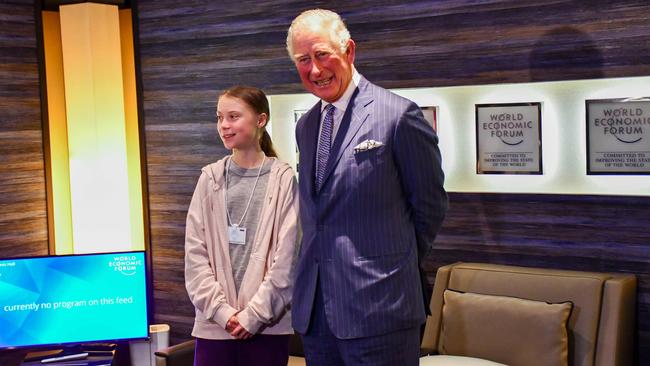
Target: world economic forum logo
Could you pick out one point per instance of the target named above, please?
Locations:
(508, 127)
(625, 124)
(125, 264)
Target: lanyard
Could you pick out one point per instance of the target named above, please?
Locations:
(249, 198)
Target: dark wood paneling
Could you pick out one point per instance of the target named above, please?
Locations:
(590, 233)
(210, 45)
(190, 50)
(23, 209)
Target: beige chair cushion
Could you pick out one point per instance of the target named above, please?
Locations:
(442, 360)
(509, 330)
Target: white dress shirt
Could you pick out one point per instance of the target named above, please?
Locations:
(340, 105)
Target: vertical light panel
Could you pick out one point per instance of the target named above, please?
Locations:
(59, 219)
(97, 148)
(132, 131)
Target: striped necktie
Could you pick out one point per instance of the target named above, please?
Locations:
(324, 145)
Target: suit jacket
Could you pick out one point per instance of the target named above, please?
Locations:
(375, 216)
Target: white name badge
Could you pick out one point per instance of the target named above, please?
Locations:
(236, 235)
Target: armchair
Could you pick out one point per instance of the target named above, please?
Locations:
(599, 323)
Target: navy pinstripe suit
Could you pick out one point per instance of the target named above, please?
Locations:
(376, 215)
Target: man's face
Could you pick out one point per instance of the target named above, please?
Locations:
(324, 70)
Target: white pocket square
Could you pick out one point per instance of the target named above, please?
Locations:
(367, 145)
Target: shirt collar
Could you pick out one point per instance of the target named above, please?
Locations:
(342, 103)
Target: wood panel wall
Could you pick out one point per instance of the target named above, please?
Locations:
(23, 208)
(210, 45)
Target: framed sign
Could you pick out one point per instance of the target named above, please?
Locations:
(618, 136)
(431, 115)
(297, 113)
(508, 138)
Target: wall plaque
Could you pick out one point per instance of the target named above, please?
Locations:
(431, 115)
(297, 113)
(508, 138)
(618, 136)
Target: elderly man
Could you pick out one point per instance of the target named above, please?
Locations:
(371, 203)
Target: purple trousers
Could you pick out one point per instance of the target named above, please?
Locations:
(259, 350)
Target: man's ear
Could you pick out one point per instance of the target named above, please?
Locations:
(349, 51)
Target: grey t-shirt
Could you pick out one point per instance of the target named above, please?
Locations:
(240, 184)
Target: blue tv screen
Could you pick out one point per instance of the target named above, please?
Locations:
(73, 299)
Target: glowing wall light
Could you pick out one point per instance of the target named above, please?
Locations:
(94, 154)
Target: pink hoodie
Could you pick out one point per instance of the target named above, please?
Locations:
(265, 292)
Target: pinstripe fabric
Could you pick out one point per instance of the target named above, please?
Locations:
(401, 348)
(377, 212)
(322, 348)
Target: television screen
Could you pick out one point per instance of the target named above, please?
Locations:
(73, 299)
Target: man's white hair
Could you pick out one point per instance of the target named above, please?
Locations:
(319, 20)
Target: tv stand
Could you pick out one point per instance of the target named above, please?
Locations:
(67, 357)
(81, 355)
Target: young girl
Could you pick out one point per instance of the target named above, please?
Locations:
(240, 242)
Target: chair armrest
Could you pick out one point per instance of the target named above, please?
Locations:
(617, 322)
(181, 354)
(430, 338)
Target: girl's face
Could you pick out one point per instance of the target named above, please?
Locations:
(238, 124)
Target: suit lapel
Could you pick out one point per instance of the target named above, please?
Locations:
(355, 116)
